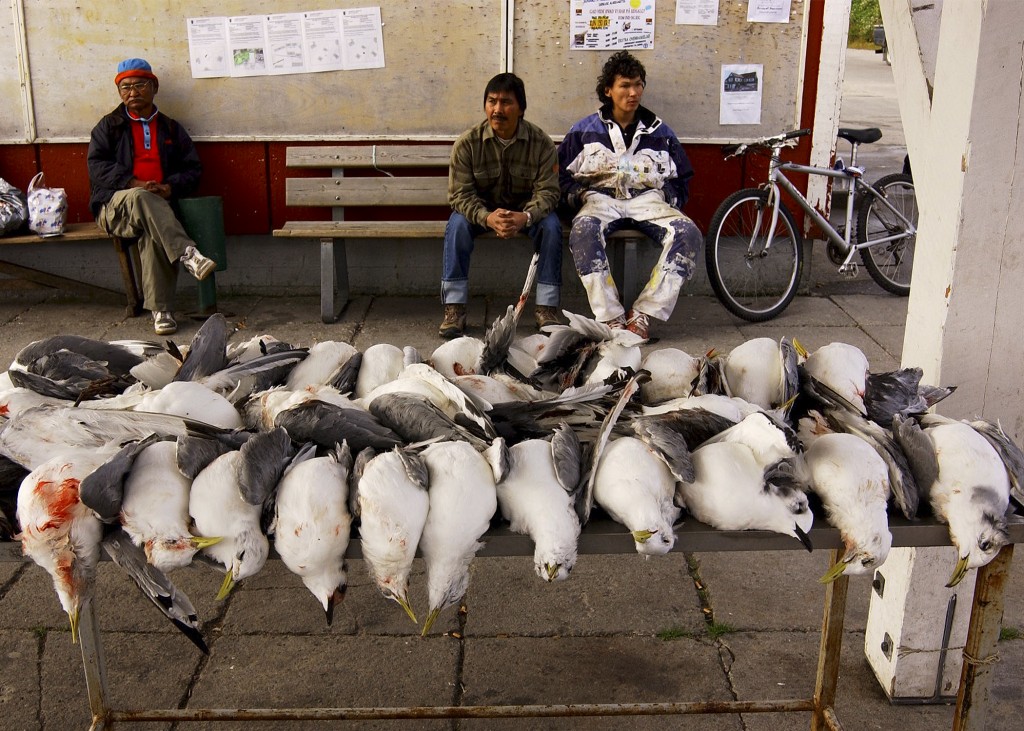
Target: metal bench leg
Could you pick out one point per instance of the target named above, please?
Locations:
(980, 652)
(334, 289)
(630, 275)
(94, 664)
(829, 651)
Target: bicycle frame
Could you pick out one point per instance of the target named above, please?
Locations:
(777, 179)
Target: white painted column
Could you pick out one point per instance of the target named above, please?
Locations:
(965, 140)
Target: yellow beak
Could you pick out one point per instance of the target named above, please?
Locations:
(833, 573)
(958, 573)
(404, 604)
(430, 621)
(226, 587)
(201, 542)
(642, 536)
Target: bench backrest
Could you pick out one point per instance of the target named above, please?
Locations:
(368, 191)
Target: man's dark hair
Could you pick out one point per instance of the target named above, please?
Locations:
(507, 82)
(622, 64)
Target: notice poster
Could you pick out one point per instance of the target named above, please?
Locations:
(696, 12)
(599, 25)
(741, 93)
(208, 47)
(768, 11)
(364, 41)
(286, 43)
(247, 41)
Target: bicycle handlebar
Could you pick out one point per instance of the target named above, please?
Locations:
(779, 140)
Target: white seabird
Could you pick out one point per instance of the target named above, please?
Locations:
(463, 500)
(389, 495)
(852, 481)
(538, 497)
(154, 509)
(312, 524)
(58, 531)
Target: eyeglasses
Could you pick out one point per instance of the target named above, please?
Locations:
(139, 86)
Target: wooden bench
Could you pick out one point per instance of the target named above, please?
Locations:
(340, 192)
(74, 232)
(603, 536)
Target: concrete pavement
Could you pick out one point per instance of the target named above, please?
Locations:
(684, 627)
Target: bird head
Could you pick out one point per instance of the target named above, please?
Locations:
(401, 596)
(554, 564)
(167, 554)
(656, 542)
(978, 539)
(328, 587)
(251, 551)
(861, 559)
(445, 588)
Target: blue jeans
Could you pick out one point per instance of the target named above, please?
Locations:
(459, 236)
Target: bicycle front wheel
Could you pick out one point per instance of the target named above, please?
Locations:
(754, 278)
(890, 264)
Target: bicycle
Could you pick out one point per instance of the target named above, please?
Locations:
(755, 261)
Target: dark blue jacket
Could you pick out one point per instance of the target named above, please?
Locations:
(594, 156)
(111, 157)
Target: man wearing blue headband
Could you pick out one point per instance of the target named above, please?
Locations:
(140, 163)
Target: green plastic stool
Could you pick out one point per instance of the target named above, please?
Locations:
(203, 219)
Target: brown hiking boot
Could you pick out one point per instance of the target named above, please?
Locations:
(454, 323)
(546, 315)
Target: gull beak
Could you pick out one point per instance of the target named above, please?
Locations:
(642, 536)
(430, 621)
(800, 349)
(200, 542)
(73, 616)
(403, 602)
(552, 569)
(958, 573)
(336, 598)
(833, 573)
(226, 587)
(802, 537)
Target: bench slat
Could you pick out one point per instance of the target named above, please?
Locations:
(417, 191)
(368, 156)
(362, 229)
(87, 231)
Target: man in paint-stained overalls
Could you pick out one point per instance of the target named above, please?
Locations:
(624, 168)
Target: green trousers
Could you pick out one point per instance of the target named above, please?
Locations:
(137, 213)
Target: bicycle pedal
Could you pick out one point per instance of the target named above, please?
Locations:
(850, 270)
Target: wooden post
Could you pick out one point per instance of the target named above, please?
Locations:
(829, 650)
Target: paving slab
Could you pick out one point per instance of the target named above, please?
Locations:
(19, 679)
(625, 594)
(774, 590)
(499, 671)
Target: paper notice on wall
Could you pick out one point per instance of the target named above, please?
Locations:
(286, 43)
(208, 47)
(741, 93)
(247, 43)
(768, 11)
(696, 12)
(363, 38)
(596, 25)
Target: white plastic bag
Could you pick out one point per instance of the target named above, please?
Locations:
(13, 211)
(47, 207)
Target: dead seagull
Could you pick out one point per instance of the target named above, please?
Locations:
(312, 522)
(58, 531)
(966, 482)
(853, 484)
(389, 496)
(463, 500)
(538, 497)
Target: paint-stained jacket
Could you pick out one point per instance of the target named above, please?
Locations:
(485, 175)
(593, 157)
(111, 157)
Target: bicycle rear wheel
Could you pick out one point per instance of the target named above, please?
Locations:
(755, 279)
(889, 264)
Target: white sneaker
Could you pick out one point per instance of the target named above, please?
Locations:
(163, 323)
(198, 265)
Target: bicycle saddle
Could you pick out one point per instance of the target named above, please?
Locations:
(862, 136)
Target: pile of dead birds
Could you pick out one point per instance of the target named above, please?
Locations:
(159, 455)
